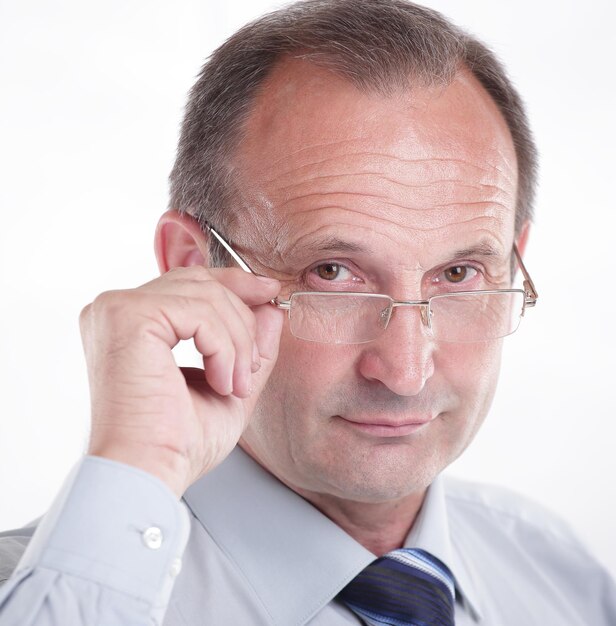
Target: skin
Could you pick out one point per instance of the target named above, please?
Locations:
(411, 179)
(394, 187)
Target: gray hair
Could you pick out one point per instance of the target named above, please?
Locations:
(378, 45)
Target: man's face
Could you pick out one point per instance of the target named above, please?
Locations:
(402, 195)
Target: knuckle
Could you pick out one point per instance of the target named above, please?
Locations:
(84, 321)
(112, 306)
(208, 311)
(214, 290)
(219, 350)
(103, 301)
(84, 315)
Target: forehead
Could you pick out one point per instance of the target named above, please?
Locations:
(319, 154)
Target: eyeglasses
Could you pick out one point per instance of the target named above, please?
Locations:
(355, 317)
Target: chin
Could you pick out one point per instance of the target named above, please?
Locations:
(374, 482)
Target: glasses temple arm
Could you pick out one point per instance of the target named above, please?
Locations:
(529, 286)
(236, 257)
(281, 304)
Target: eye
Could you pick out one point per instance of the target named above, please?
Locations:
(333, 273)
(459, 273)
(328, 271)
(455, 274)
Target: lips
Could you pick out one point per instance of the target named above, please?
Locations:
(384, 428)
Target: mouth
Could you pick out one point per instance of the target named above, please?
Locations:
(383, 428)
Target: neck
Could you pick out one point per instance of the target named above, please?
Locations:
(378, 526)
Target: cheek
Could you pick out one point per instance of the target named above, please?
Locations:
(301, 361)
(471, 370)
(304, 373)
(289, 418)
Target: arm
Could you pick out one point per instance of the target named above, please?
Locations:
(96, 558)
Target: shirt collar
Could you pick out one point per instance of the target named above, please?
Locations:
(430, 532)
(284, 547)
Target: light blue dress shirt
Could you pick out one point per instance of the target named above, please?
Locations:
(116, 548)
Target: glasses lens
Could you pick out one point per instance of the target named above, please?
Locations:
(471, 317)
(338, 317)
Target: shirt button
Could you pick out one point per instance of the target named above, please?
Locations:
(176, 567)
(153, 537)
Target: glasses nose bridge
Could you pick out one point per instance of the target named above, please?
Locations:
(424, 309)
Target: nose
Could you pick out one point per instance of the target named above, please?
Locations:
(402, 358)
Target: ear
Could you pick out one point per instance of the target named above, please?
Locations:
(522, 238)
(179, 242)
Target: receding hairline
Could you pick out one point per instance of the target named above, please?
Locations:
(377, 45)
(494, 117)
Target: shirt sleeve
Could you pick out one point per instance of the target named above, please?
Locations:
(107, 552)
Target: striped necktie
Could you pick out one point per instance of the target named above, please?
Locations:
(406, 587)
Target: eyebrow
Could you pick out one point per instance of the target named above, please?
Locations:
(335, 244)
(483, 248)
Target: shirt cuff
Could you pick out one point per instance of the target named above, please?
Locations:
(114, 525)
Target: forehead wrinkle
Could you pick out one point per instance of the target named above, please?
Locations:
(321, 239)
(378, 212)
(422, 163)
(424, 204)
(383, 203)
(492, 203)
(487, 234)
(459, 181)
(483, 248)
(318, 146)
(437, 189)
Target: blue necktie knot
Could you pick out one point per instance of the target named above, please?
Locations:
(406, 587)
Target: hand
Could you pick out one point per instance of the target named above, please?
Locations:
(178, 423)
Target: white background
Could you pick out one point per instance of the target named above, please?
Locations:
(91, 96)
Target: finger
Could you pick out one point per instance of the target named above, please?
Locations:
(240, 322)
(240, 326)
(250, 288)
(215, 343)
(270, 321)
(197, 306)
(215, 326)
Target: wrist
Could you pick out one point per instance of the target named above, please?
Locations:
(163, 463)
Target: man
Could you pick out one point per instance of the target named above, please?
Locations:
(370, 169)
